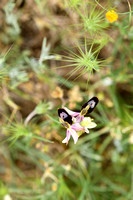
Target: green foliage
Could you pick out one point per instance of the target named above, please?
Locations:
(84, 62)
(11, 19)
(3, 70)
(95, 21)
(34, 164)
(43, 107)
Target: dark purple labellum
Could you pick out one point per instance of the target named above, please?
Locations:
(92, 103)
(64, 115)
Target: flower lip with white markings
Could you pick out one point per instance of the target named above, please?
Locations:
(64, 115)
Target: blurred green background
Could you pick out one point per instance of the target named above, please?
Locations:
(56, 53)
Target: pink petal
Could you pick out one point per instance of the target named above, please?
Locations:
(75, 114)
(74, 135)
(67, 137)
(77, 127)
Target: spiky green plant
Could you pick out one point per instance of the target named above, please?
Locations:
(17, 130)
(85, 61)
(92, 18)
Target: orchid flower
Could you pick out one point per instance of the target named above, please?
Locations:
(78, 116)
(71, 130)
(72, 113)
(75, 122)
(87, 123)
(79, 126)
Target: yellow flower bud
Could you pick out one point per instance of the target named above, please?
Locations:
(111, 16)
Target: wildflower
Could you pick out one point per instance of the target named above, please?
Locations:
(71, 130)
(111, 16)
(72, 113)
(75, 122)
(88, 107)
(88, 123)
(57, 93)
(81, 115)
